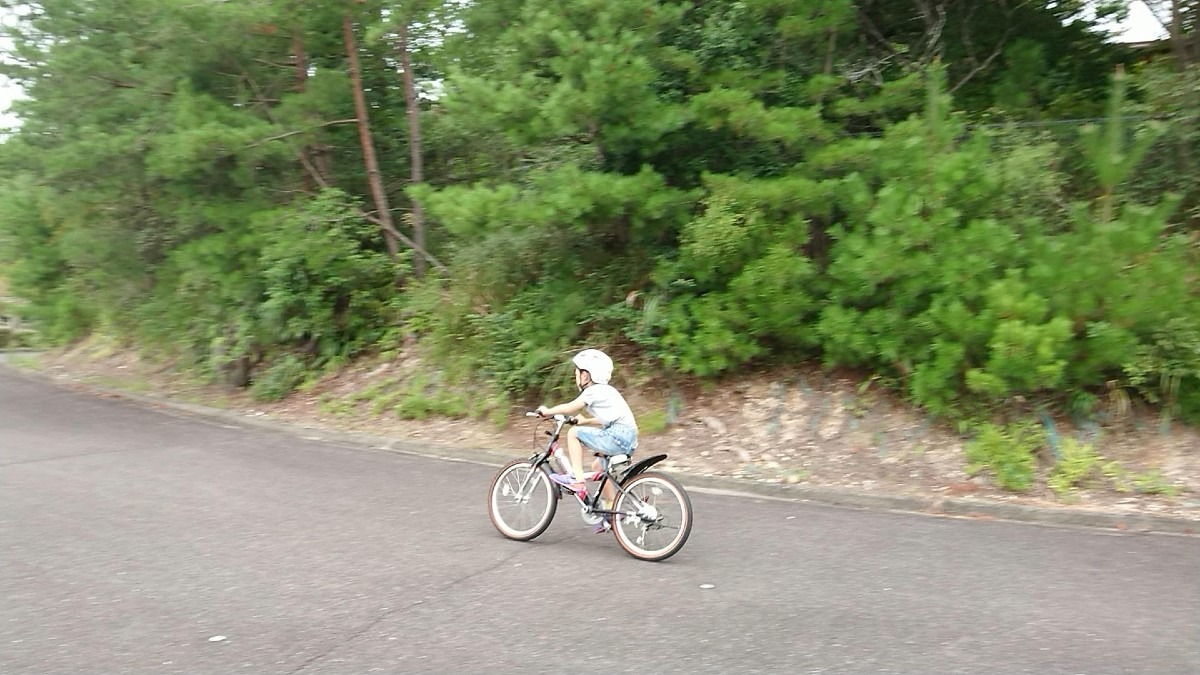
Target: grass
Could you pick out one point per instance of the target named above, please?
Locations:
(652, 421)
(337, 407)
(25, 361)
(1153, 482)
(133, 384)
(1078, 462)
(1008, 452)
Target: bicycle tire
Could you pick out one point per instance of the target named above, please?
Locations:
(647, 487)
(500, 503)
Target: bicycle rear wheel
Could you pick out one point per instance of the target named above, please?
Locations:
(522, 500)
(657, 517)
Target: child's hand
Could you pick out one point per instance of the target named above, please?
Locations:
(543, 411)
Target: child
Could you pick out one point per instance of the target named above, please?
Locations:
(611, 429)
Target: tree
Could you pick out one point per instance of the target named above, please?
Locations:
(398, 26)
(383, 212)
(1060, 47)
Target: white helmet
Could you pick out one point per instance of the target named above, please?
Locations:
(596, 362)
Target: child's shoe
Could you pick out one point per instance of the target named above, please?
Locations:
(570, 482)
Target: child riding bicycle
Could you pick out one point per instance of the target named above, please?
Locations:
(610, 430)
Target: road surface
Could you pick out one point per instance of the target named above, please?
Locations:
(135, 540)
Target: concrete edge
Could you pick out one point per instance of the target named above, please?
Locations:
(831, 496)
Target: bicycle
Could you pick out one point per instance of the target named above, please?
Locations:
(651, 516)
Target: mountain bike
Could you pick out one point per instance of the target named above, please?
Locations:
(651, 515)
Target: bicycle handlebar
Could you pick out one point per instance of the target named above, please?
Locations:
(557, 418)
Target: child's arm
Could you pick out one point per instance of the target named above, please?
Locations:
(563, 409)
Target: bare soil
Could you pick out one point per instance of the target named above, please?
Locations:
(801, 426)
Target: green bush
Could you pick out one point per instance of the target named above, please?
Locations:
(1008, 452)
(1167, 370)
(1077, 462)
(279, 379)
(323, 285)
(682, 177)
(420, 405)
(1154, 483)
(652, 421)
(306, 277)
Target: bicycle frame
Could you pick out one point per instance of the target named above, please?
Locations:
(604, 476)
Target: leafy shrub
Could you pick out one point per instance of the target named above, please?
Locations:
(1167, 370)
(1009, 452)
(279, 380)
(1151, 482)
(324, 286)
(1154, 483)
(652, 421)
(420, 405)
(1077, 463)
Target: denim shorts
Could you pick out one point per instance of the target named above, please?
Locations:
(614, 439)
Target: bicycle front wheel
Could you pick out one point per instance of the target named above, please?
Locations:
(655, 517)
(522, 500)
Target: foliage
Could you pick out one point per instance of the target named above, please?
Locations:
(1009, 452)
(708, 185)
(322, 287)
(1077, 462)
(1154, 483)
(652, 421)
(1167, 370)
(279, 380)
(1171, 95)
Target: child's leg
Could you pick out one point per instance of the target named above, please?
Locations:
(608, 492)
(575, 452)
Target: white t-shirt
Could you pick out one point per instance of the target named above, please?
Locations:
(607, 404)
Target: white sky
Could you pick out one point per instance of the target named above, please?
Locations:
(1140, 26)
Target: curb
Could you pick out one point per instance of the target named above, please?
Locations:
(830, 496)
(958, 507)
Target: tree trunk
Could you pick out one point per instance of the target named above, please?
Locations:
(1183, 43)
(414, 146)
(830, 47)
(300, 60)
(368, 144)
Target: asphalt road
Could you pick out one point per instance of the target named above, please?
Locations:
(132, 539)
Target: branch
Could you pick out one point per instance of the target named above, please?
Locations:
(114, 82)
(986, 62)
(312, 170)
(880, 39)
(407, 242)
(869, 69)
(273, 64)
(300, 131)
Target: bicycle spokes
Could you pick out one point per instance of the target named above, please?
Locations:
(655, 518)
(522, 501)
(519, 488)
